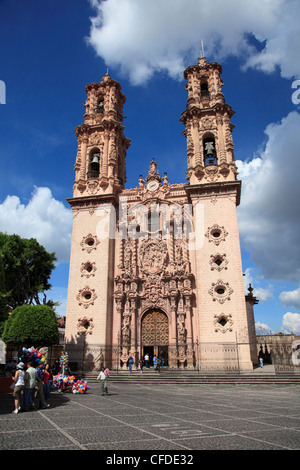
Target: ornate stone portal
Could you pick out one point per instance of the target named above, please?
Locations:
(158, 267)
(153, 291)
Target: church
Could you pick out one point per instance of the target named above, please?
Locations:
(157, 269)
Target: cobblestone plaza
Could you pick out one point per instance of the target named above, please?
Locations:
(159, 418)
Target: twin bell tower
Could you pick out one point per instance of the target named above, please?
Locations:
(156, 269)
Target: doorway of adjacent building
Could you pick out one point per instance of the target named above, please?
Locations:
(155, 335)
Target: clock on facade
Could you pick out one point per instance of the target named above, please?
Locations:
(152, 185)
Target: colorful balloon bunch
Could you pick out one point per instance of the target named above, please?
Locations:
(63, 381)
(33, 355)
(80, 387)
(64, 359)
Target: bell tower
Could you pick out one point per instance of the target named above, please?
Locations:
(100, 163)
(214, 191)
(100, 176)
(208, 128)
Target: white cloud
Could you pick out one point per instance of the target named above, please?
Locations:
(291, 323)
(291, 298)
(260, 293)
(269, 219)
(263, 328)
(282, 44)
(43, 218)
(142, 37)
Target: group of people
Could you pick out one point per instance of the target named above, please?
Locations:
(145, 362)
(33, 384)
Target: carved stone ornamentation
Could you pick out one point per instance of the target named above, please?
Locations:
(218, 262)
(92, 186)
(89, 243)
(88, 269)
(216, 234)
(211, 173)
(86, 296)
(223, 323)
(85, 326)
(153, 256)
(220, 291)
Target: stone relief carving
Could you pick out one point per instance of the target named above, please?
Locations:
(86, 296)
(211, 173)
(216, 234)
(89, 243)
(85, 326)
(92, 186)
(223, 322)
(220, 291)
(218, 262)
(153, 256)
(88, 269)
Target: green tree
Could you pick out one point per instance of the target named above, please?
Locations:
(4, 309)
(28, 267)
(31, 325)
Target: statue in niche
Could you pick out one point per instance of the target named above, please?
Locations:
(126, 329)
(141, 182)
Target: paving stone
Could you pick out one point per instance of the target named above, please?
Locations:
(158, 418)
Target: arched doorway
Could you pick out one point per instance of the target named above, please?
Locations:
(155, 335)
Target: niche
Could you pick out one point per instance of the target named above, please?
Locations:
(94, 164)
(209, 151)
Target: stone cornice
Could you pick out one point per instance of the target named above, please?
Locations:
(92, 201)
(220, 188)
(195, 110)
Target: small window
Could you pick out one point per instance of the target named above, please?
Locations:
(222, 321)
(88, 269)
(90, 241)
(218, 262)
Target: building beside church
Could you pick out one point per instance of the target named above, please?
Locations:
(157, 268)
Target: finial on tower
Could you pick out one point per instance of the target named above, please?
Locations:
(202, 48)
(202, 59)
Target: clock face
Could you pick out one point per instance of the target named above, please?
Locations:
(152, 186)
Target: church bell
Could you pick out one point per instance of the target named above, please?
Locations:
(95, 162)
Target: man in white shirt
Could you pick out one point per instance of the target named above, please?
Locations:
(103, 381)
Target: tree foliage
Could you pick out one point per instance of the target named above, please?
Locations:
(31, 325)
(27, 267)
(4, 309)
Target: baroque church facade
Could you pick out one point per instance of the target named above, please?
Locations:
(157, 268)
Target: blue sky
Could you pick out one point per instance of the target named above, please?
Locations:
(50, 50)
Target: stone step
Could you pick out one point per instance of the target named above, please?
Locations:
(195, 377)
